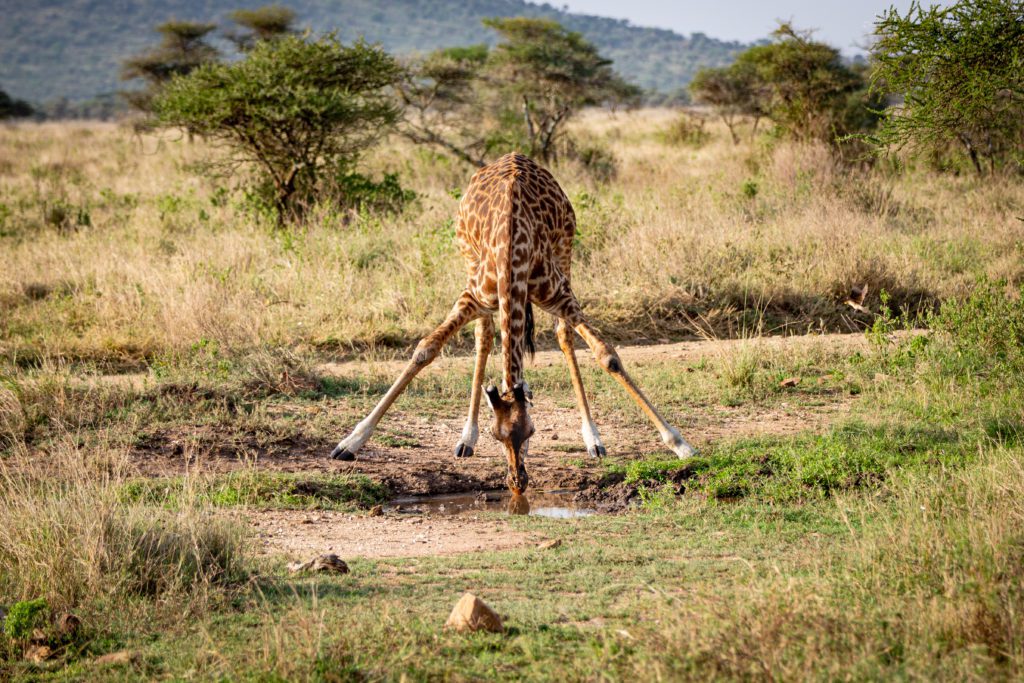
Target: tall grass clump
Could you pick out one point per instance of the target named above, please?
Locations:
(67, 536)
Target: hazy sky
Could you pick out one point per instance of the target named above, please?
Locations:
(842, 23)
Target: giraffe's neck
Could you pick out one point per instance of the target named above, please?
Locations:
(512, 302)
(512, 362)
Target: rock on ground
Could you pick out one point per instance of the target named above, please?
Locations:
(471, 614)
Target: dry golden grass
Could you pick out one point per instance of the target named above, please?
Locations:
(68, 534)
(720, 239)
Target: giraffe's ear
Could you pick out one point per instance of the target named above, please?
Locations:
(493, 397)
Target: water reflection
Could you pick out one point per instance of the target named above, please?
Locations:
(518, 505)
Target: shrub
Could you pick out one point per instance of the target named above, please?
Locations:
(24, 617)
(688, 130)
(984, 334)
(328, 103)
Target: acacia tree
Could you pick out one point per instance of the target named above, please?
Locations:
(295, 110)
(802, 84)
(960, 71)
(263, 23)
(543, 74)
(734, 92)
(182, 49)
(444, 102)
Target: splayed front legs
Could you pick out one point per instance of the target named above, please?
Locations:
(609, 360)
(465, 309)
(565, 307)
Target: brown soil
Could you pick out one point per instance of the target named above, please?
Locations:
(557, 458)
(303, 535)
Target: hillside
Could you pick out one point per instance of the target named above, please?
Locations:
(73, 48)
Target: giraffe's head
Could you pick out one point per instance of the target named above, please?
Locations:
(513, 428)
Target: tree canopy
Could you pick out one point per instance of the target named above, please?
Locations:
(182, 49)
(263, 23)
(547, 74)
(801, 84)
(960, 71)
(474, 102)
(294, 109)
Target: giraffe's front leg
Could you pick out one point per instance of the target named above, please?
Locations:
(350, 445)
(589, 430)
(465, 309)
(484, 342)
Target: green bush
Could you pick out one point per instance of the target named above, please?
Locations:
(24, 617)
(329, 102)
(960, 71)
(983, 336)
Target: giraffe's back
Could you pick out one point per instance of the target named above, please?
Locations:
(515, 205)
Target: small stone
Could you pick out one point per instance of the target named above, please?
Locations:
(322, 563)
(377, 511)
(789, 382)
(471, 614)
(116, 658)
(548, 545)
(554, 437)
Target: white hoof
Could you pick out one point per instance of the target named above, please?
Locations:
(592, 441)
(350, 445)
(467, 444)
(680, 446)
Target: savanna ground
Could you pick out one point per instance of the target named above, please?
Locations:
(175, 369)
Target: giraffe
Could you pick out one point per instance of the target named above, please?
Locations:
(515, 231)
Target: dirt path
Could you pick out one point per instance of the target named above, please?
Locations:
(302, 535)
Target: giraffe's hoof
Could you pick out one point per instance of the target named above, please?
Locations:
(463, 451)
(597, 451)
(345, 454)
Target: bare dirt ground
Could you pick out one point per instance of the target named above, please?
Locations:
(299, 535)
(423, 463)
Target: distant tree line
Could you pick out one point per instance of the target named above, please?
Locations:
(301, 110)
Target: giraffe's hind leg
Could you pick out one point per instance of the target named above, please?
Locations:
(484, 342)
(465, 309)
(590, 437)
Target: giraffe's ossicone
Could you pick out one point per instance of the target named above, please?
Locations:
(515, 231)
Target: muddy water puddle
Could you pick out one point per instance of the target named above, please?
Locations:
(555, 504)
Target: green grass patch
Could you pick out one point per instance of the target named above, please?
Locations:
(850, 457)
(248, 488)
